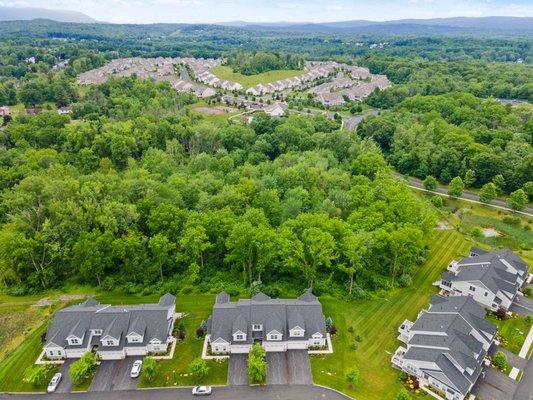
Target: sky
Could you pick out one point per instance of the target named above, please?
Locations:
(210, 11)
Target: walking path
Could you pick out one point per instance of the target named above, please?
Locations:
(527, 344)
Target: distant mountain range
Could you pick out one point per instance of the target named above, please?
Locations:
(29, 13)
(403, 26)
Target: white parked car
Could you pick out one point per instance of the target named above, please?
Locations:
(54, 383)
(136, 369)
(201, 390)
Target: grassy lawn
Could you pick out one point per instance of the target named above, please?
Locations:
(513, 331)
(13, 367)
(175, 372)
(376, 321)
(247, 81)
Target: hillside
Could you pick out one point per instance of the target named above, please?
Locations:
(30, 13)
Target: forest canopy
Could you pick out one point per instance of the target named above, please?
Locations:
(257, 62)
(132, 195)
(457, 134)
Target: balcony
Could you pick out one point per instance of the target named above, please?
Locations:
(397, 357)
(404, 330)
(453, 267)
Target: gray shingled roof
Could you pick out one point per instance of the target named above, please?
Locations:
(273, 314)
(490, 269)
(451, 321)
(115, 321)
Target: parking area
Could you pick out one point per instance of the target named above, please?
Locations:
(238, 370)
(522, 305)
(277, 368)
(114, 375)
(290, 367)
(65, 386)
(494, 386)
(299, 367)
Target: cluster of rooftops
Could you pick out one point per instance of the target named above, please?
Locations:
(263, 318)
(92, 325)
(448, 342)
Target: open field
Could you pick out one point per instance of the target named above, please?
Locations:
(376, 322)
(13, 367)
(247, 81)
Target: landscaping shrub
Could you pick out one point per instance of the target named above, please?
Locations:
(500, 361)
(352, 377)
(82, 369)
(199, 369)
(150, 368)
(257, 364)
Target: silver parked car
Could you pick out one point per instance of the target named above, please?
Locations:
(136, 369)
(54, 383)
(201, 390)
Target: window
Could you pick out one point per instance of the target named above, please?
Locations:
(297, 332)
(472, 288)
(74, 341)
(51, 352)
(109, 342)
(239, 337)
(135, 339)
(257, 327)
(486, 294)
(317, 342)
(273, 337)
(97, 331)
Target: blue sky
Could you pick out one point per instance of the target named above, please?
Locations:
(148, 11)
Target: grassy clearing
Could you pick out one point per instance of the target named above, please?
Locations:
(247, 81)
(376, 322)
(513, 331)
(13, 367)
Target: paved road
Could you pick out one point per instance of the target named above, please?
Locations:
(522, 305)
(275, 392)
(417, 183)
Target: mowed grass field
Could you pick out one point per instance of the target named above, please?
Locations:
(247, 81)
(376, 321)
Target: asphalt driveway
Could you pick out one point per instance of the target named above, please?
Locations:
(290, 367)
(522, 305)
(114, 375)
(494, 386)
(65, 386)
(299, 367)
(277, 368)
(238, 370)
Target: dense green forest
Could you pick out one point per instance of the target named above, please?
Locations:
(261, 61)
(133, 190)
(143, 193)
(457, 134)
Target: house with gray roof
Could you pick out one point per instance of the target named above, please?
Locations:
(446, 346)
(278, 324)
(113, 332)
(492, 278)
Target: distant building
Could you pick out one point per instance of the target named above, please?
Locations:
(4, 110)
(64, 110)
(276, 110)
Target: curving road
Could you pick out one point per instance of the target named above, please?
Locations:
(466, 195)
(270, 392)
